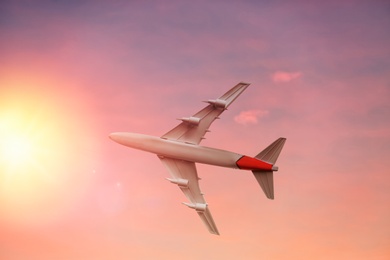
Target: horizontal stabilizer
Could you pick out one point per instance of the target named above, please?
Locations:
(271, 153)
(266, 181)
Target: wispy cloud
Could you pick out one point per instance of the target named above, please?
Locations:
(282, 76)
(250, 116)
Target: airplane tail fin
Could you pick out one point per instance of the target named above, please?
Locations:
(270, 155)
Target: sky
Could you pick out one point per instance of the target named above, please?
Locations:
(72, 72)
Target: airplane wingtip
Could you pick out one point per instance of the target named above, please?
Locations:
(245, 83)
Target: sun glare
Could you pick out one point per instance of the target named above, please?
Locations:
(40, 152)
(16, 149)
(16, 143)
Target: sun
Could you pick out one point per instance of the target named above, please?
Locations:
(16, 149)
(16, 143)
(37, 151)
(47, 149)
(31, 156)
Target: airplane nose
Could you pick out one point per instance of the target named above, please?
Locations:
(114, 136)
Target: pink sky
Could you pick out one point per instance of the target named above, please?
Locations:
(71, 72)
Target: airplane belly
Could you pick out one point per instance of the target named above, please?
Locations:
(200, 154)
(182, 151)
(179, 150)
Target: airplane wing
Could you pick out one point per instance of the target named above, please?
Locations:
(183, 173)
(193, 129)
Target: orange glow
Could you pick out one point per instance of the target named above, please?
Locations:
(15, 148)
(35, 152)
(72, 72)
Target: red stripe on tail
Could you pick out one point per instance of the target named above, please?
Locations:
(249, 163)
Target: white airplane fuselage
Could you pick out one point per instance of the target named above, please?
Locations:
(179, 151)
(189, 152)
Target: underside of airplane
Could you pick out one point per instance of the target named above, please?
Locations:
(179, 150)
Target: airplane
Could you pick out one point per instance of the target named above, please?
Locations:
(179, 150)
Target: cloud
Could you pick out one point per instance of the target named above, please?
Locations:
(281, 76)
(250, 116)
